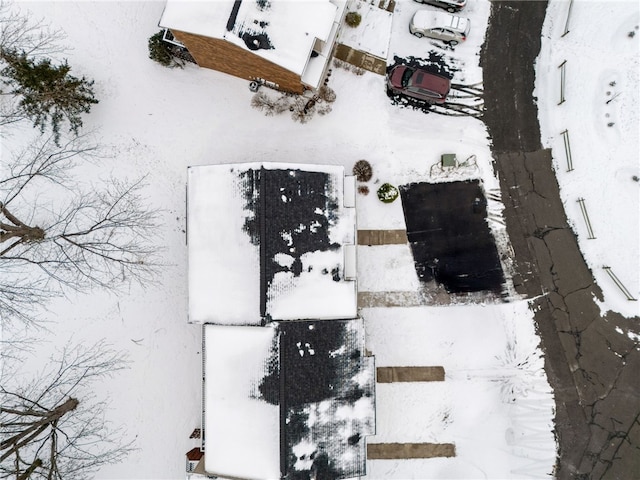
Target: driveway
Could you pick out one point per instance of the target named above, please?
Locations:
(593, 370)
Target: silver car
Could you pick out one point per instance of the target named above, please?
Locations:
(439, 25)
(449, 5)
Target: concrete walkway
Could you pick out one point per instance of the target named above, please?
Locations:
(430, 294)
(382, 237)
(409, 374)
(398, 451)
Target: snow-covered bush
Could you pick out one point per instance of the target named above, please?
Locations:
(347, 66)
(387, 193)
(270, 106)
(327, 94)
(302, 107)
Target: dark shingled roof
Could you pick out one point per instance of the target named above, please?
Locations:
(318, 370)
(293, 211)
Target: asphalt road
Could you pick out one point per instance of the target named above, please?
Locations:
(592, 368)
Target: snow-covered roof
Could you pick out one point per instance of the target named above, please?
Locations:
(285, 30)
(291, 397)
(266, 241)
(224, 266)
(373, 33)
(241, 430)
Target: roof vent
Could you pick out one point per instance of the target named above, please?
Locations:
(257, 42)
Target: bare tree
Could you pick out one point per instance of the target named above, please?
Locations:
(20, 32)
(57, 233)
(51, 427)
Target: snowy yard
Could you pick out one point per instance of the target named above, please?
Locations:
(495, 403)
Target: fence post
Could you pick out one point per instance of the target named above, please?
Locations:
(562, 75)
(566, 24)
(586, 218)
(567, 150)
(619, 284)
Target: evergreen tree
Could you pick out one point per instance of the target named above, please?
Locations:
(159, 50)
(164, 53)
(47, 94)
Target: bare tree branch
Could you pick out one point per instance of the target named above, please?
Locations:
(57, 234)
(51, 427)
(19, 31)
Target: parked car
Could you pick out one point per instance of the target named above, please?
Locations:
(418, 83)
(449, 5)
(439, 25)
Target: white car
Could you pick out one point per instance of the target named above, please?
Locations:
(439, 25)
(448, 5)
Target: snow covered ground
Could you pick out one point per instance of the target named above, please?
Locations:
(495, 403)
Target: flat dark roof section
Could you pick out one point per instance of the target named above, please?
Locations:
(234, 15)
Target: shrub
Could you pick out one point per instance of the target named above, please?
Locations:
(340, 64)
(363, 190)
(324, 109)
(327, 94)
(160, 51)
(299, 111)
(269, 105)
(261, 101)
(362, 170)
(353, 19)
(387, 193)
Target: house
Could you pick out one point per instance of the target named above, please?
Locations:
(291, 400)
(284, 44)
(288, 390)
(270, 241)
